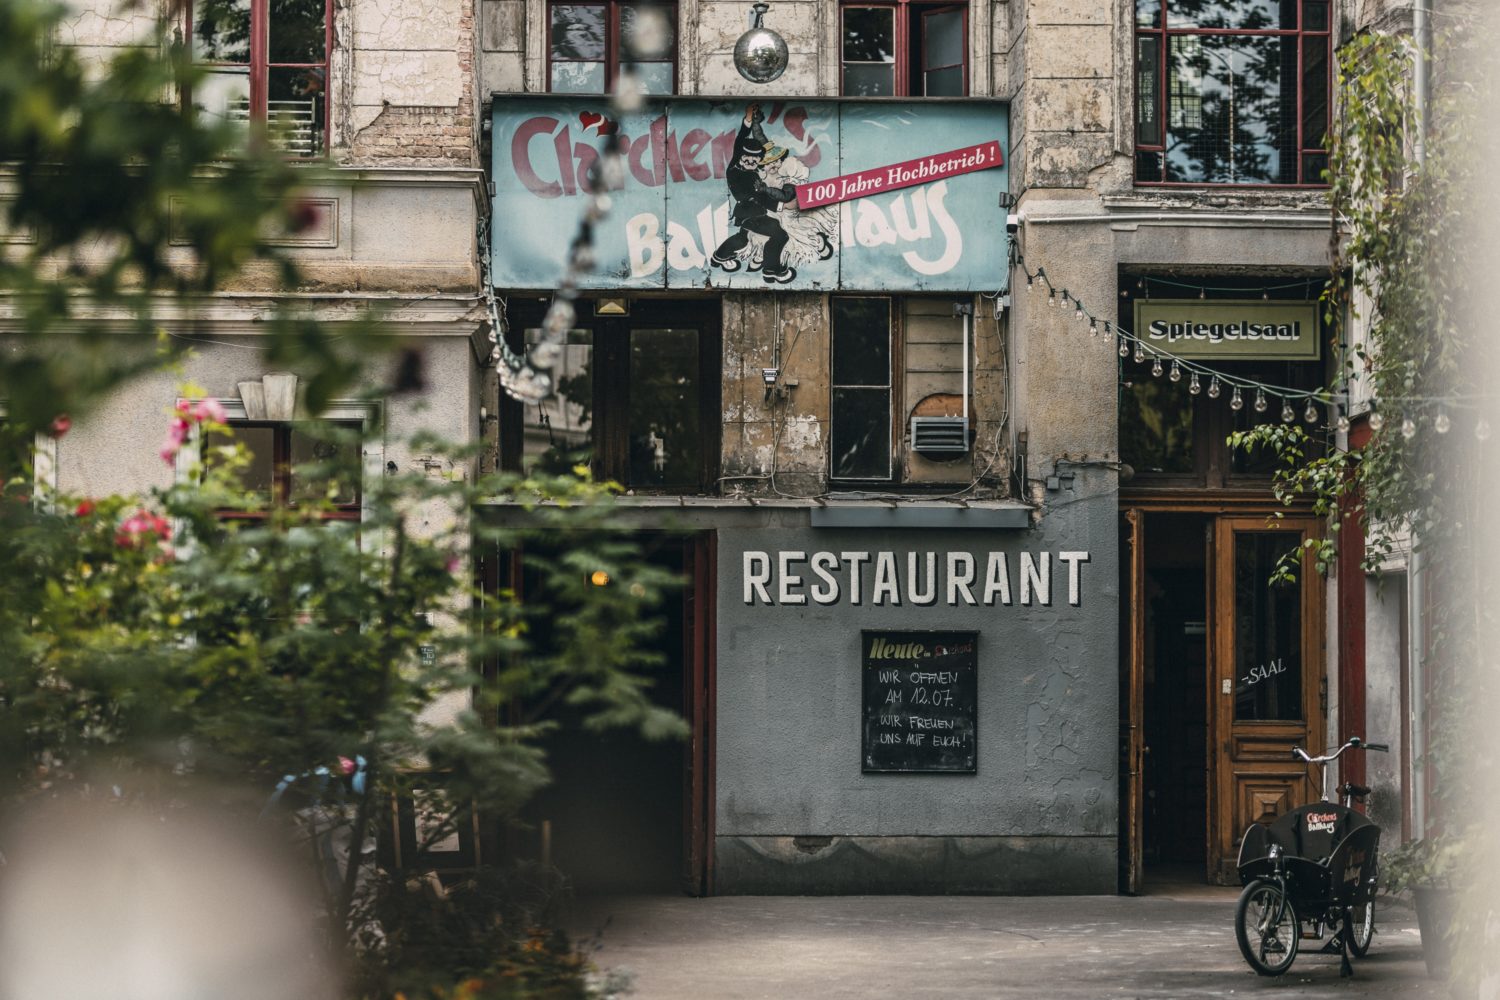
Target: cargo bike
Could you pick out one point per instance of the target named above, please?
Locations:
(1310, 873)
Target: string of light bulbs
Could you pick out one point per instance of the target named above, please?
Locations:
(1176, 367)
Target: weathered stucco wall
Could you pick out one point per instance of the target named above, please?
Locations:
(793, 808)
(788, 430)
(409, 95)
(113, 448)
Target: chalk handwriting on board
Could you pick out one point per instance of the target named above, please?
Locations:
(919, 702)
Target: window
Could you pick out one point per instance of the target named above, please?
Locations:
(27, 461)
(298, 464)
(637, 399)
(859, 430)
(1232, 91)
(905, 48)
(267, 62)
(892, 360)
(1172, 437)
(589, 41)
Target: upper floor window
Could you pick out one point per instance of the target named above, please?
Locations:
(1232, 91)
(266, 63)
(590, 41)
(905, 48)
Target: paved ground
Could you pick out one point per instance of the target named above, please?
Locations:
(1168, 945)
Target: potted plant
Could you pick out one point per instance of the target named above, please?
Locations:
(1427, 868)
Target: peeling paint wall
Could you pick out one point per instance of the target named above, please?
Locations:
(410, 97)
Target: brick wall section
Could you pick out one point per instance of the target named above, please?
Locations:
(396, 115)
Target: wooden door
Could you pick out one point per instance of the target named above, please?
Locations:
(1132, 697)
(1267, 693)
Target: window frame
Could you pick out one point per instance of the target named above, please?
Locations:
(367, 416)
(612, 58)
(260, 66)
(1164, 33)
(902, 13)
(610, 389)
(43, 468)
(895, 348)
(1214, 419)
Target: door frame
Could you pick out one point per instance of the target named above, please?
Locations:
(1244, 509)
(499, 570)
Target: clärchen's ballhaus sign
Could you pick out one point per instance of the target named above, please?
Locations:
(756, 194)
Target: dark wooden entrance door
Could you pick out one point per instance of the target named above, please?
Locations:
(1267, 680)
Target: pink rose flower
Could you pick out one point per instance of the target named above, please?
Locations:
(212, 410)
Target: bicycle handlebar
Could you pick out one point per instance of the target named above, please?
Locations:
(1355, 743)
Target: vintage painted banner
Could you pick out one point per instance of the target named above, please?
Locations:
(804, 195)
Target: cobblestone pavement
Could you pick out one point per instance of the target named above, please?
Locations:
(1166, 945)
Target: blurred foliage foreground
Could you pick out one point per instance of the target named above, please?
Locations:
(155, 653)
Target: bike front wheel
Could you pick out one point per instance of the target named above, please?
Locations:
(1265, 925)
(1361, 926)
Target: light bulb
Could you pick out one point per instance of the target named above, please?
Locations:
(1408, 428)
(1260, 401)
(1482, 429)
(1093, 329)
(1441, 423)
(1213, 388)
(1176, 373)
(1078, 313)
(1140, 353)
(1156, 368)
(1236, 401)
(1202, 293)
(1311, 413)
(1342, 424)
(1052, 298)
(1377, 420)
(1124, 348)
(1030, 284)
(1194, 386)
(1287, 413)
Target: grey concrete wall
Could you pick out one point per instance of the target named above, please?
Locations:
(790, 710)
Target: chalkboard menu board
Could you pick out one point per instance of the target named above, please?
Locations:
(920, 689)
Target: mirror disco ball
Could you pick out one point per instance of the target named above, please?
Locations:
(760, 55)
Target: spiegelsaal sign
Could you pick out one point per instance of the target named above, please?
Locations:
(805, 195)
(1230, 328)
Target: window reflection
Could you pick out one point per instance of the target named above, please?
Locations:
(558, 432)
(1267, 630)
(665, 449)
(1224, 113)
(1156, 426)
(221, 31)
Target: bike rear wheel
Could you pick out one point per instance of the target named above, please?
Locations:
(1361, 927)
(1265, 925)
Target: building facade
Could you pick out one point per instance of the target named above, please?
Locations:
(919, 363)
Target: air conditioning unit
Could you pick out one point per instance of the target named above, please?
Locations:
(940, 436)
